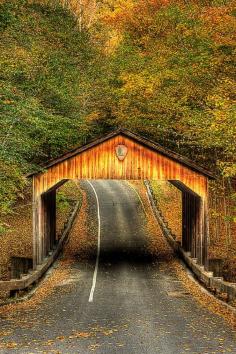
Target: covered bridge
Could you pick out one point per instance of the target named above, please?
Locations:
(126, 156)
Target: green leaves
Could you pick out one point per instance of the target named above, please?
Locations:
(7, 15)
(47, 77)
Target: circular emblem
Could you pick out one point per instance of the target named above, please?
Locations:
(121, 152)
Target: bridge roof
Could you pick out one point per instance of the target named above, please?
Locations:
(135, 137)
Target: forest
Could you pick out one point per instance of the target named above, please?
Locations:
(74, 70)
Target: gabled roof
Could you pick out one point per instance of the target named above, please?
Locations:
(135, 137)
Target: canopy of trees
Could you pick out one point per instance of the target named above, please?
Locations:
(71, 70)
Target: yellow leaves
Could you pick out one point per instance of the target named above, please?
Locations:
(218, 101)
(81, 241)
(5, 333)
(94, 346)
(184, 29)
(139, 83)
(49, 342)
(22, 55)
(167, 195)
(109, 332)
(157, 245)
(62, 338)
(117, 11)
(220, 108)
(229, 170)
(203, 298)
(93, 333)
(93, 116)
(82, 334)
(113, 42)
(145, 84)
(11, 345)
(8, 102)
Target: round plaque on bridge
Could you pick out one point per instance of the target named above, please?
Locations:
(121, 152)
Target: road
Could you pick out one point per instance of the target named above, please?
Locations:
(137, 306)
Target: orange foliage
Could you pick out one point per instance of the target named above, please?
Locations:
(135, 15)
(221, 23)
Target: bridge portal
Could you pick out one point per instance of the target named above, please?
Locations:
(123, 155)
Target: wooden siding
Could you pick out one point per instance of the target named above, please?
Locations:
(101, 162)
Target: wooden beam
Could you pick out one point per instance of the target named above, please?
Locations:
(53, 220)
(194, 226)
(189, 234)
(206, 234)
(38, 231)
(200, 234)
(184, 221)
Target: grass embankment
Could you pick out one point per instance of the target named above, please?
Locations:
(67, 195)
(169, 201)
(17, 240)
(82, 242)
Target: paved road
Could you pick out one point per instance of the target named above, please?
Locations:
(136, 308)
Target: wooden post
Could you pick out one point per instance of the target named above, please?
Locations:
(46, 228)
(44, 224)
(200, 234)
(189, 219)
(184, 223)
(206, 233)
(49, 206)
(51, 219)
(38, 226)
(194, 226)
(39, 217)
(35, 226)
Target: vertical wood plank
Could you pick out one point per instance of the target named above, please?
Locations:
(184, 220)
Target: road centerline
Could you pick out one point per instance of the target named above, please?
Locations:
(91, 295)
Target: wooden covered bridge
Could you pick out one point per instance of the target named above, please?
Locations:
(126, 156)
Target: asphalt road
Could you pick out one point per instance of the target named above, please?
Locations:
(137, 306)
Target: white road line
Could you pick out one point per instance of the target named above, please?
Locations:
(98, 246)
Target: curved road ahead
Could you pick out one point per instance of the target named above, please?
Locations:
(137, 307)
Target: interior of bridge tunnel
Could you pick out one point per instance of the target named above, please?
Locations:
(116, 216)
(178, 207)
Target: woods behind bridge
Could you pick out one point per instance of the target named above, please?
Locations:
(71, 71)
